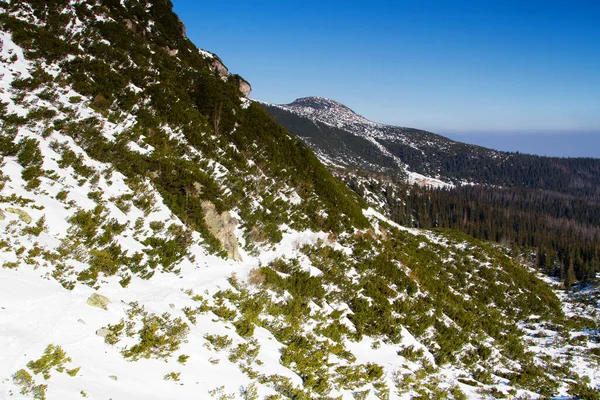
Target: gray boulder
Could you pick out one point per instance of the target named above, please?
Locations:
(98, 301)
(103, 332)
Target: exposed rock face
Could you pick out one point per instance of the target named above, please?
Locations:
(245, 87)
(222, 227)
(98, 301)
(23, 216)
(198, 187)
(2, 216)
(182, 27)
(219, 68)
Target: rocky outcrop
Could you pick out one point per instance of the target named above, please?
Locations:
(222, 227)
(198, 188)
(2, 216)
(182, 27)
(244, 85)
(98, 301)
(23, 216)
(219, 68)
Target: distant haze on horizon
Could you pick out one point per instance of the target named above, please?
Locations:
(512, 75)
(573, 144)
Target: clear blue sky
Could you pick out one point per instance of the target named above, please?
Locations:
(498, 70)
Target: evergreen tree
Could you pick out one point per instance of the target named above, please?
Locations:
(570, 278)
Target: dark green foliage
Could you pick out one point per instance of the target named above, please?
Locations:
(219, 342)
(37, 229)
(40, 114)
(307, 174)
(309, 358)
(410, 353)
(159, 337)
(244, 327)
(545, 204)
(570, 278)
(106, 256)
(8, 147)
(30, 153)
(404, 260)
(183, 91)
(30, 157)
(217, 101)
(582, 390)
(87, 223)
(188, 115)
(38, 77)
(103, 261)
(39, 42)
(167, 252)
(531, 376)
(13, 120)
(174, 186)
(299, 283)
(563, 230)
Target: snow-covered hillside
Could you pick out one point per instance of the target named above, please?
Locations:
(346, 139)
(169, 261)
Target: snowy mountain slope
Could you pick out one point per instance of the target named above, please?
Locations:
(102, 194)
(345, 139)
(546, 206)
(365, 144)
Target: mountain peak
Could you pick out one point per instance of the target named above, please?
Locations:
(318, 103)
(328, 111)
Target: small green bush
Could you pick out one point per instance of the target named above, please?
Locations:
(53, 357)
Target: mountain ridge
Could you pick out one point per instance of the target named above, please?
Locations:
(378, 147)
(545, 205)
(377, 138)
(127, 158)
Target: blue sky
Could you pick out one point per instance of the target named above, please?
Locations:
(504, 71)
